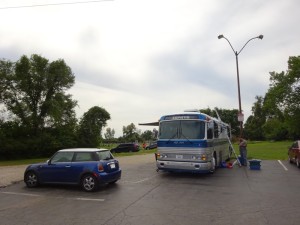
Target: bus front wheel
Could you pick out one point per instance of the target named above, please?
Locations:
(213, 163)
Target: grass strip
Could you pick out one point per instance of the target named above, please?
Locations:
(263, 150)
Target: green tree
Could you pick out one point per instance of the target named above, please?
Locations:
(147, 135)
(33, 90)
(39, 115)
(109, 134)
(275, 129)
(283, 97)
(91, 125)
(131, 133)
(228, 116)
(254, 124)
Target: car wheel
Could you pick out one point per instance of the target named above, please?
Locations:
(298, 162)
(290, 160)
(89, 183)
(31, 179)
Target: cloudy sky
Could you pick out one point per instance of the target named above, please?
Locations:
(141, 59)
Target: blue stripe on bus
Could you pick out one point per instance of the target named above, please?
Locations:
(191, 144)
(184, 143)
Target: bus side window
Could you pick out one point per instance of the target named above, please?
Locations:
(210, 134)
(228, 132)
(216, 130)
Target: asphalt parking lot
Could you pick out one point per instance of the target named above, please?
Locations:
(143, 196)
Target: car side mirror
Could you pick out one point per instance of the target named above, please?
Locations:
(48, 161)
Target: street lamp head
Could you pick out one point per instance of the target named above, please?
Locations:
(220, 36)
(261, 36)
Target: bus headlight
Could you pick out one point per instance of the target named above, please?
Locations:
(164, 156)
(199, 157)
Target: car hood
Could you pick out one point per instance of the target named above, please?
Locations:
(35, 165)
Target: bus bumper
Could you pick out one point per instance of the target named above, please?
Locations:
(194, 167)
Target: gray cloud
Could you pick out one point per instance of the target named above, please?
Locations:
(142, 59)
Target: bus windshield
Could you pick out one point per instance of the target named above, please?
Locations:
(182, 129)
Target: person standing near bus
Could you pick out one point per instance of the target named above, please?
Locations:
(243, 151)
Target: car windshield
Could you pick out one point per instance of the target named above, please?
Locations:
(182, 129)
(62, 157)
(104, 155)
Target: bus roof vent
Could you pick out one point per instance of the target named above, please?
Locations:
(192, 110)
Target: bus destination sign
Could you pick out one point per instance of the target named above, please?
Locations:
(181, 117)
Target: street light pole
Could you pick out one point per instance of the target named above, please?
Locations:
(240, 116)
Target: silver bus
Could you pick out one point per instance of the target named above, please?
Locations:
(191, 142)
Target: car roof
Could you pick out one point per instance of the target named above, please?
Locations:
(83, 150)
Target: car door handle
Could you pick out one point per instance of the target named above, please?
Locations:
(67, 166)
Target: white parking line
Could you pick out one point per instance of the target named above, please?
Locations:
(140, 181)
(35, 195)
(286, 169)
(24, 194)
(90, 199)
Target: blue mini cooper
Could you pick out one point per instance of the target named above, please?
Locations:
(87, 167)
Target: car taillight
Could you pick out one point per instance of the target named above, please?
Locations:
(100, 167)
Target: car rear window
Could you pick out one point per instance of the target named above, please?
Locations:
(104, 155)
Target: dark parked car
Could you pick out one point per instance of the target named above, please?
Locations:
(151, 145)
(294, 153)
(88, 167)
(127, 147)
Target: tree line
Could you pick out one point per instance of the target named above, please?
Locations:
(38, 115)
(276, 115)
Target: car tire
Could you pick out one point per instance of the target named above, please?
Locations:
(31, 179)
(290, 160)
(89, 183)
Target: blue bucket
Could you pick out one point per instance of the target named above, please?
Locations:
(254, 164)
(255, 167)
(223, 165)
